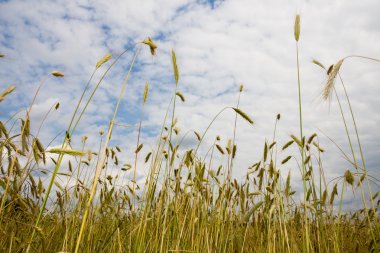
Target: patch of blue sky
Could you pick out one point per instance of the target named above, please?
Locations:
(212, 3)
(69, 16)
(182, 9)
(106, 29)
(43, 37)
(161, 36)
(87, 8)
(6, 35)
(231, 89)
(6, 41)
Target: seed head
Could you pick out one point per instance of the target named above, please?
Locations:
(175, 67)
(243, 115)
(348, 177)
(297, 28)
(151, 44)
(180, 95)
(146, 90)
(329, 86)
(7, 92)
(318, 63)
(57, 73)
(105, 58)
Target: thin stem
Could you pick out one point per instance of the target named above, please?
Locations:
(302, 149)
(103, 156)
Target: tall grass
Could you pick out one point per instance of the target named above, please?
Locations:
(189, 201)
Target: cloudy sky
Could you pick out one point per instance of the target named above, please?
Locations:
(219, 45)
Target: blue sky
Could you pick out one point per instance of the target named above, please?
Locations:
(219, 45)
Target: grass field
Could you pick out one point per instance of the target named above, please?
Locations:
(185, 204)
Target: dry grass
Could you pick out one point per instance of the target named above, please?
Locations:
(185, 204)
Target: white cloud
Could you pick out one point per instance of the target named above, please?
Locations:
(249, 42)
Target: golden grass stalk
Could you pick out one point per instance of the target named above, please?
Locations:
(146, 91)
(220, 149)
(252, 210)
(297, 28)
(243, 115)
(139, 148)
(66, 151)
(286, 159)
(198, 136)
(175, 67)
(183, 216)
(318, 147)
(299, 143)
(105, 59)
(180, 95)
(287, 185)
(3, 130)
(287, 144)
(318, 63)
(329, 86)
(151, 44)
(57, 73)
(9, 90)
(333, 193)
(348, 177)
(147, 157)
(103, 157)
(311, 138)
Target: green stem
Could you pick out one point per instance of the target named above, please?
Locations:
(103, 156)
(302, 151)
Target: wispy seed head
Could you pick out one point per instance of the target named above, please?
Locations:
(329, 86)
